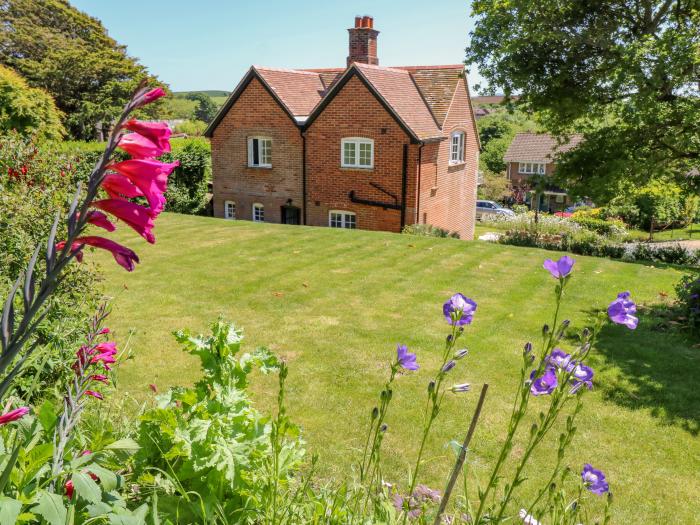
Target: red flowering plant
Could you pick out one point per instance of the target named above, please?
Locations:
(142, 176)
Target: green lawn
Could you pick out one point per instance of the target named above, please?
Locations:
(336, 303)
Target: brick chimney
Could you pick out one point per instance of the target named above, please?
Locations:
(363, 41)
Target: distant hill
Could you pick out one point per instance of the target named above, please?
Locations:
(214, 93)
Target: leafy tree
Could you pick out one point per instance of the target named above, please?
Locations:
(62, 50)
(495, 187)
(206, 109)
(625, 73)
(30, 111)
(492, 154)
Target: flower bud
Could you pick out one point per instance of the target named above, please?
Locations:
(375, 413)
(545, 329)
(449, 338)
(389, 394)
(384, 427)
(456, 389)
(528, 348)
(448, 366)
(461, 353)
(431, 387)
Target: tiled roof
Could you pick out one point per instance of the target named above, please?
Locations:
(538, 147)
(398, 89)
(299, 91)
(419, 96)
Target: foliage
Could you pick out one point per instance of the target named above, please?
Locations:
(205, 109)
(688, 291)
(58, 48)
(659, 204)
(191, 127)
(608, 228)
(30, 111)
(496, 131)
(623, 73)
(204, 447)
(428, 230)
(494, 187)
(35, 184)
(491, 157)
(189, 183)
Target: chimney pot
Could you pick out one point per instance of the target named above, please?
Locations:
(363, 41)
(365, 21)
(370, 21)
(358, 21)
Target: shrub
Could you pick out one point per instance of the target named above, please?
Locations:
(609, 228)
(427, 230)
(193, 128)
(671, 254)
(688, 292)
(520, 209)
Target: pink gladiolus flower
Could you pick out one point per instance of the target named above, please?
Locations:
(99, 377)
(149, 96)
(139, 146)
(157, 132)
(137, 217)
(150, 176)
(85, 453)
(68, 487)
(13, 415)
(75, 249)
(109, 347)
(99, 219)
(119, 187)
(103, 331)
(123, 255)
(94, 394)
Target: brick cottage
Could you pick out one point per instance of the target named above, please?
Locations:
(365, 146)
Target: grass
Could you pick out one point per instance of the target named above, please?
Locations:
(336, 303)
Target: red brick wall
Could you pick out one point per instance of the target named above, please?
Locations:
(518, 179)
(256, 113)
(355, 112)
(448, 192)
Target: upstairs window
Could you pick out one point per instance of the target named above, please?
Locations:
(260, 152)
(229, 210)
(258, 212)
(531, 168)
(457, 148)
(357, 153)
(342, 219)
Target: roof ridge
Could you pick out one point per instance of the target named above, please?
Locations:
(285, 70)
(436, 66)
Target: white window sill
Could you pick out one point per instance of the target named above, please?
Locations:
(261, 167)
(457, 163)
(363, 168)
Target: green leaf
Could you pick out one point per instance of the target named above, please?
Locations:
(9, 510)
(51, 508)
(86, 488)
(47, 416)
(108, 479)
(8, 468)
(124, 445)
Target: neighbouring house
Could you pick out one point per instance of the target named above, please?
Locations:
(531, 155)
(364, 146)
(485, 105)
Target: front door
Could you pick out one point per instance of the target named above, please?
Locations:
(291, 215)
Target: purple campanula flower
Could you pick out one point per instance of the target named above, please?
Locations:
(527, 518)
(408, 505)
(594, 480)
(545, 384)
(406, 359)
(581, 375)
(448, 366)
(425, 493)
(459, 310)
(622, 310)
(463, 387)
(461, 353)
(559, 358)
(561, 268)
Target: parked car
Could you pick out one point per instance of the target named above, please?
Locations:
(490, 208)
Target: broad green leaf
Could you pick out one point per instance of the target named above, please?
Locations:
(47, 416)
(9, 510)
(108, 479)
(51, 508)
(124, 445)
(86, 488)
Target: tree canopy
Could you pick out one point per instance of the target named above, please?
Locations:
(30, 111)
(624, 72)
(69, 54)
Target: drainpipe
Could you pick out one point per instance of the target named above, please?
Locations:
(404, 182)
(420, 164)
(303, 177)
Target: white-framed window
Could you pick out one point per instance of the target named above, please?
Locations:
(258, 212)
(229, 210)
(342, 219)
(260, 152)
(457, 147)
(531, 168)
(357, 152)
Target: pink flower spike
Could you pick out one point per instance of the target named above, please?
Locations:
(123, 255)
(137, 217)
(157, 132)
(149, 96)
(75, 249)
(150, 176)
(106, 347)
(139, 147)
(99, 377)
(69, 488)
(94, 394)
(99, 219)
(103, 331)
(85, 453)
(119, 187)
(13, 415)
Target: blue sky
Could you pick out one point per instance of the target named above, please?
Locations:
(209, 44)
